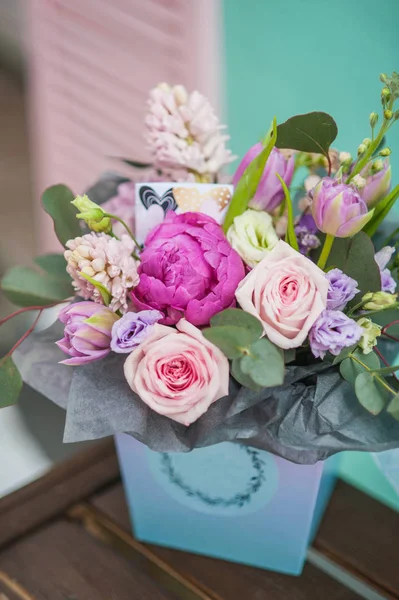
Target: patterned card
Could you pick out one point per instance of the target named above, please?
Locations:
(155, 200)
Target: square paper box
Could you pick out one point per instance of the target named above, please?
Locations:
(154, 200)
(228, 501)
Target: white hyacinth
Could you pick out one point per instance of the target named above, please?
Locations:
(184, 132)
(107, 260)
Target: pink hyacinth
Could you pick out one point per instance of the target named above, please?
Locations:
(107, 260)
(184, 132)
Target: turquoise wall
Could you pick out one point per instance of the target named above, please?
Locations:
(285, 57)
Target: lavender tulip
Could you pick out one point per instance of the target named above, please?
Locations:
(378, 181)
(338, 209)
(87, 332)
(269, 193)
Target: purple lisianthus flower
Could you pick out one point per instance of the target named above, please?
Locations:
(188, 268)
(382, 258)
(341, 289)
(305, 230)
(332, 332)
(132, 329)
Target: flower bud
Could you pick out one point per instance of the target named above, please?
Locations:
(371, 331)
(385, 95)
(388, 114)
(378, 300)
(92, 214)
(377, 166)
(378, 181)
(361, 149)
(383, 77)
(359, 182)
(385, 152)
(373, 119)
(338, 209)
(367, 142)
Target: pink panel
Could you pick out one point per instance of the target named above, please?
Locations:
(92, 63)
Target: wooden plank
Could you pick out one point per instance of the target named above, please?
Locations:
(62, 562)
(51, 495)
(362, 534)
(229, 581)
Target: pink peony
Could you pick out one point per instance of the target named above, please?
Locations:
(188, 268)
(178, 374)
(287, 292)
(107, 260)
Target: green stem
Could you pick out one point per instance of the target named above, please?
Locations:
(125, 226)
(390, 237)
(361, 163)
(373, 312)
(380, 379)
(325, 253)
(356, 307)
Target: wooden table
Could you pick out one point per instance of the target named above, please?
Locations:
(67, 537)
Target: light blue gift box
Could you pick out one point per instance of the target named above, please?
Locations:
(228, 501)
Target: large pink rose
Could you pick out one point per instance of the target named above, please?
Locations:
(180, 376)
(287, 292)
(188, 268)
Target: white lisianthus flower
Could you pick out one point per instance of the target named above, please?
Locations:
(371, 331)
(252, 235)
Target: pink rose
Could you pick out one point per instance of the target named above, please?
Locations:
(179, 377)
(287, 292)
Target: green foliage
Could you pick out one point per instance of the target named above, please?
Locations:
(312, 132)
(248, 184)
(27, 286)
(54, 265)
(290, 237)
(256, 362)
(350, 368)
(10, 382)
(381, 211)
(355, 257)
(371, 393)
(105, 294)
(393, 407)
(56, 202)
(392, 84)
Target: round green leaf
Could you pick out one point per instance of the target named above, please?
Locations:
(264, 364)
(232, 341)
(239, 318)
(242, 377)
(10, 382)
(311, 132)
(371, 393)
(54, 265)
(393, 407)
(56, 202)
(25, 286)
(350, 368)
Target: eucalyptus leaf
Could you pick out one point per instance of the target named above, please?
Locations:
(10, 382)
(231, 340)
(381, 211)
(264, 364)
(350, 368)
(371, 393)
(393, 407)
(248, 184)
(355, 257)
(311, 132)
(289, 355)
(54, 265)
(242, 377)
(56, 202)
(344, 354)
(239, 318)
(25, 286)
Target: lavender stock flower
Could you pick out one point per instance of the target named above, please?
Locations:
(305, 230)
(332, 332)
(341, 289)
(132, 329)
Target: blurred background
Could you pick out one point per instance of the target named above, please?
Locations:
(74, 78)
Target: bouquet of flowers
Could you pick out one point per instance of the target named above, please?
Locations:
(269, 324)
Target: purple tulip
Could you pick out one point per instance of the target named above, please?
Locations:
(269, 193)
(378, 183)
(132, 329)
(338, 209)
(87, 332)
